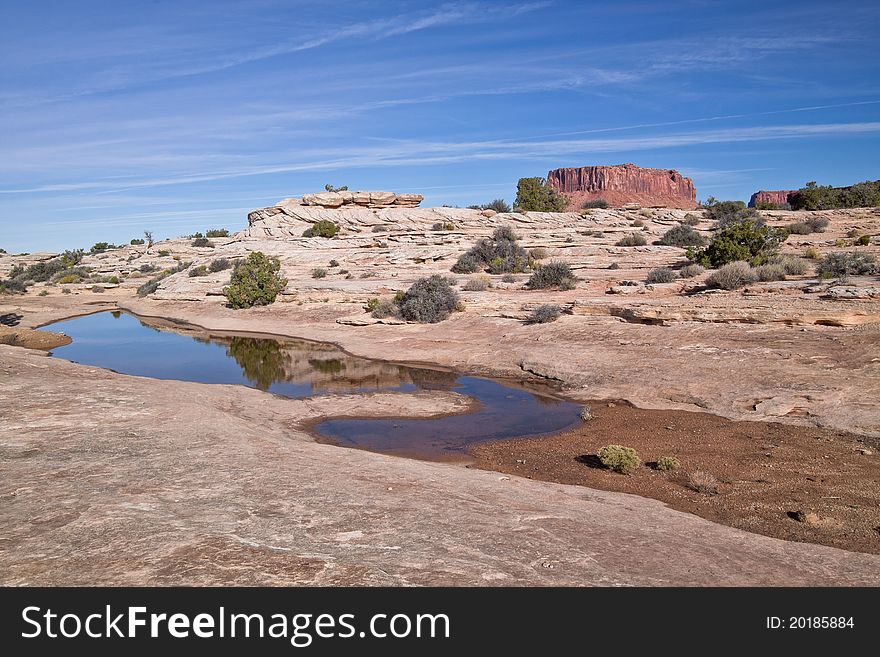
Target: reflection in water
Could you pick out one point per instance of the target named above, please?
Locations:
(297, 369)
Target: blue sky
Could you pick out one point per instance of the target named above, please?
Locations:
(117, 117)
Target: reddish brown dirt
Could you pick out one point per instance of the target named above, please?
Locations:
(767, 473)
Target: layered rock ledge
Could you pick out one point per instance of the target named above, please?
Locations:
(624, 184)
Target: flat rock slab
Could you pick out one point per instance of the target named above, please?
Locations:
(110, 479)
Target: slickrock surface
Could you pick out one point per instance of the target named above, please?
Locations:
(777, 197)
(800, 351)
(624, 184)
(133, 481)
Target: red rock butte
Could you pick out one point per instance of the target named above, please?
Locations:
(624, 184)
(776, 197)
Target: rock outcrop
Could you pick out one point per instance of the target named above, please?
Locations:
(358, 199)
(624, 184)
(776, 197)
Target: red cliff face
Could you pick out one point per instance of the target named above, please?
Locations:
(777, 197)
(622, 184)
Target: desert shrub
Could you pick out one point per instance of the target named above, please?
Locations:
(822, 197)
(661, 275)
(535, 195)
(147, 269)
(508, 278)
(638, 223)
(766, 273)
(2, 251)
(65, 279)
(220, 264)
(725, 212)
(544, 314)
(808, 226)
(702, 482)
(538, 253)
(43, 293)
(619, 458)
(690, 219)
(181, 266)
(731, 276)
(12, 286)
(596, 203)
(164, 253)
(791, 265)
(443, 225)
(64, 290)
(691, 270)
(842, 264)
(382, 228)
(863, 240)
(812, 253)
(852, 233)
(322, 228)
(633, 239)
(667, 463)
(201, 270)
(151, 285)
(586, 413)
(769, 205)
(682, 235)
(818, 224)
(203, 242)
(196, 235)
(385, 308)
(478, 284)
(745, 240)
(137, 242)
(333, 263)
(113, 280)
(100, 247)
(614, 265)
(254, 282)
(498, 205)
(372, 303)
(217, 232)
(428, 300)
(319, 272)
(97, 288)
(553, 274)
(499, 254)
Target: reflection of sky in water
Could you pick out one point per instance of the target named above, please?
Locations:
(120, 342)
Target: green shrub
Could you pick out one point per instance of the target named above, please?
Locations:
(196, 236)
(799, 228)
(66, 279)
(478, 284)
(596, 203)
(538, 253)
(819, 197)
(146, 269)
(100, 247)
(385, 308)
(661, 275)
(151, 285)
(334, 263)
(254, 281)
(745, 240)
(690, 219)
(220, 264)
(164, 253)
(330, 188)
(203, 242)
(689, 271)
(863, 240)
(682, 235)
(114, 280)
(12, 286)
(322, 228)
(841, 265)
(544, 314)
(372, 304)
(553, 274)
(586, 413)
(766, 273)
(725, 212)
(217, 232)
(807, 226)
(498, 205)
(137, 242)
(732, 276)
(500, 254)
(619, 458)
(534, 195)
(429, 300)
(633, 239)
(812, 253)
(319, 272)
(201, 270)
(667, 463)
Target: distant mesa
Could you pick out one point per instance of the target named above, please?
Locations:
(358, 199)
(624, 184)
(777, 197)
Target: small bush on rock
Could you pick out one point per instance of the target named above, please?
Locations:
(667, 463)
(619, 458)
(689, 271)
(322, 228)
(553, 274)
(732, 276)
(500, 254)
(201, 270)
(217, 232)
(766, 273)
(203, 243)
(661, 275)
(633, 239)
(841, 265)
(791, 265)
(220, 264)
(254, 282)
(746, 240)
(597, 203)
(319, 272)
(478, 284)
(863, 240)
(429, 300)
(682, 235)
(702, 482)
(545, 313)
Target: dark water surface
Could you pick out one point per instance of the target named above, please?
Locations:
(299, 368)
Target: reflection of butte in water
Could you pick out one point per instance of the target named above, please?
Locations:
(300, 369)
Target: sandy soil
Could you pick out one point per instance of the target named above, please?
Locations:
(794, 483)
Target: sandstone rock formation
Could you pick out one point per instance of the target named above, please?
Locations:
(776, 197)
(362, 199)
(624, 184)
